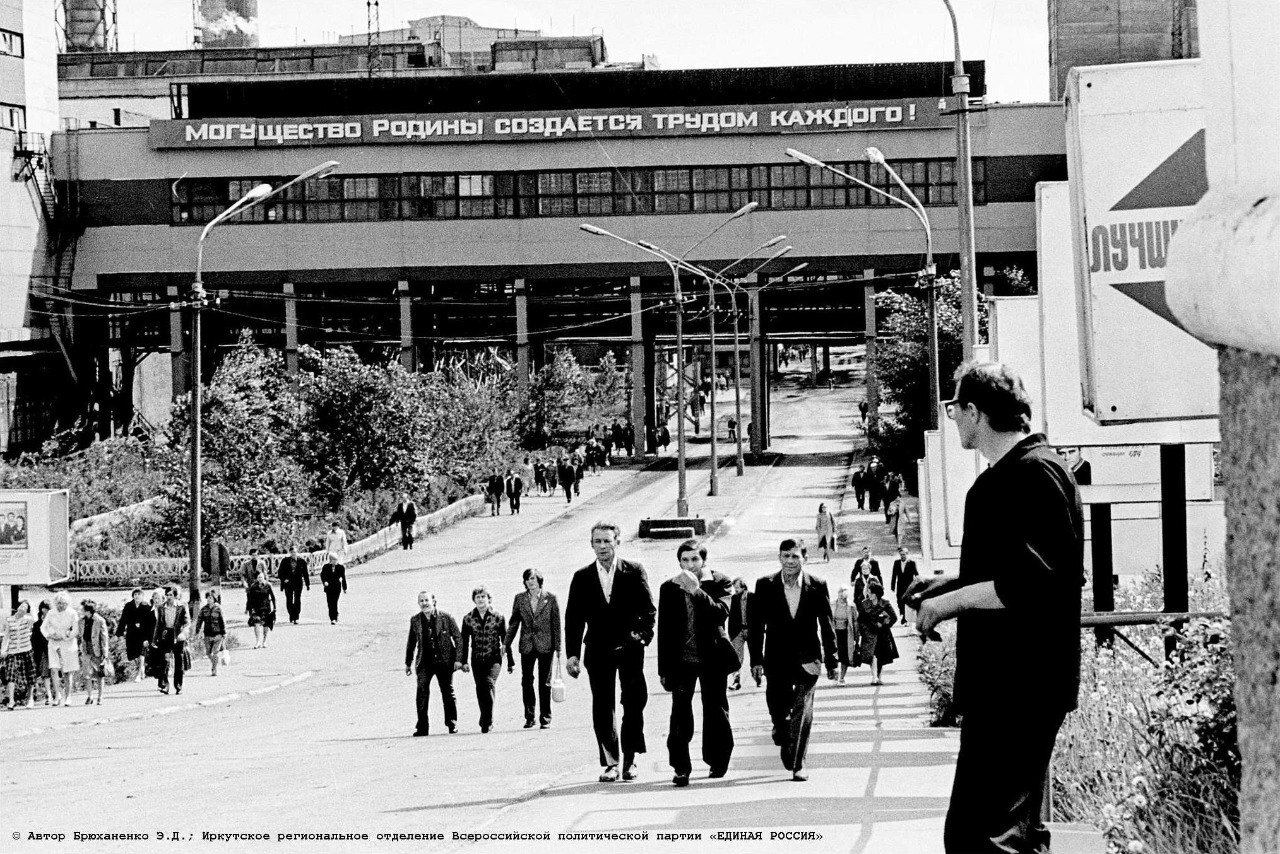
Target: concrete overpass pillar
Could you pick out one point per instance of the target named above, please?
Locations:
(813, 362)
(290, 333)
(641, 390)
(873, 382)
(826, 358)
(408, 352)
(522, 336)
(178, 360)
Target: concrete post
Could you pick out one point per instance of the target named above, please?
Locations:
(813, 363)
(408, 352)
(177, 351)
(826, 358)
(290, 334)
(639, 384)
(523, 368)
(759, 370)
(873, 381)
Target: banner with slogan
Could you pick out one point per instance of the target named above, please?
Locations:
(550, 125)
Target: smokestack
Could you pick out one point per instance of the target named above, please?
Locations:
(227, 23)
(88, 24)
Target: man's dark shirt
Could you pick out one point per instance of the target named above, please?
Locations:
(1024, 530)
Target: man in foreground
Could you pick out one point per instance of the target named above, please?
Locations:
(1016, 602)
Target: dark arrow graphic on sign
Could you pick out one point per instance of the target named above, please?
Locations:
(1180, 181)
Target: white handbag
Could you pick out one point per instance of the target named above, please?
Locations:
(557, 683)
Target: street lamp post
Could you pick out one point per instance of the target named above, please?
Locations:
(928, 275)
(197, 301)
(964, 187)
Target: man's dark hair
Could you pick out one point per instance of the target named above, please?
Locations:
(789, 544)
(691, 545)
(997, 392)
(532, 573)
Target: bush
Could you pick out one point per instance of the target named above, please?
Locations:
(938, 672)
(104, 476)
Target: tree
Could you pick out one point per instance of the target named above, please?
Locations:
(556, 392)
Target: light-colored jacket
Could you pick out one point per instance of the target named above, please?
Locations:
(94, 643)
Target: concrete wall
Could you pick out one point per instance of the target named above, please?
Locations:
(1105, 32)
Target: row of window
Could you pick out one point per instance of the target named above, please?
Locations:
(594, 192)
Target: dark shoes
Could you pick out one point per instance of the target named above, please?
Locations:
(417, 733)
(799, 776)
(546, 725)
(484, 729)
(453, 728)
(629, 773)
(609, 775)
(528, 724)
(680, 780)
(717, 773)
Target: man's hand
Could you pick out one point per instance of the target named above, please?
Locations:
(572, 667)
(927, 619)
(457, 665)
(757, 671)
(926, 588)
(408, 671)
(663, 681)
(638, 638)
(686, 583)
(466, 668)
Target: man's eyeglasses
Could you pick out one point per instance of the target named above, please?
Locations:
(952, 407)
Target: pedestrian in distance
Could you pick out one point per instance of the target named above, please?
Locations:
(540, 476)
(333, 578)
(526, 476)
(260, 605)
(859, 482)
(553, 474)
(432, 652)
(792, 639)
(252, 569)
(567, 475)
(514, 486)
(535, 614)
(893, 484)
(137, 625)
(1016, 602)
(875, 483)
(19, 666)
(609, 600)
(901, 577)
(864, 567)
(664, 437)
(40, 652)
(693, 609)
(863, 408)
(579, 469)
(876, 618)
(406, 516)
(738, 626)
(293, 576)
(335, 542)
(650, 440)
(214, 628)
(494, 488)
(59, 628)
(732, 424)
(95, 650)
(484, 634)
(825, 527)
(844, 615)
(170, 640)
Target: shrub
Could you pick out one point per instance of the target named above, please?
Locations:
(938, 672)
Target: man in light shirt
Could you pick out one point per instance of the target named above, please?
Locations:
(335, 542)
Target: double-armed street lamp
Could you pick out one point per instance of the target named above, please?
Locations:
(197, 301)
(928, 275)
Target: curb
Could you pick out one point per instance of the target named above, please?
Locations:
(164, 710)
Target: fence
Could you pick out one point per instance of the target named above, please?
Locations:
(158, 570)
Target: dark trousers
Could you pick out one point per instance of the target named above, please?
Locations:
(175, 651)
(486, 679)
(332, 595)
(443, 674)
(999, 782)
(568, 491)
(293, 602)
(543, 660)
(406, 537)
(625, 669)
(789, 696)
(874, 495)
(717, 734)
(495, 504)
(514, 501)
(861, 496)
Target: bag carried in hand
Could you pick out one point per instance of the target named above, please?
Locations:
(557, 683)
(186, 658)
(224, 657)
(724, 655)
(108, 668)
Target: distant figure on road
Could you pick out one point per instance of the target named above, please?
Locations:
(170, 639)
(19, 667)
(876, 619)
(693, 608)
(732, 424)
(825, 528)
(432, 651)
(335, 542)
(1016, 601)
(333, 578)
(95, 650)
(495, 487)
(901, 578)
(738, 623)
(406, 514)
(293, 575)
(859, 482)
(566, 474)
(844, 615)
(260, 605)
(40, 652)
(893, 486)
(535, 614)
(59, 629)
(862, 413)
(875, 483)
(629, 438)
(514, 486)
(214, 627)
(540, 476)
(861, 567)
(609, 599)
(484, 633)
(137, 625)
(792, 638)
(664, 437)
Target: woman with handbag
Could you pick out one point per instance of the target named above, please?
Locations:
(876, 646)
(260, 605)
(215, 628)
(95, 650)
(845, 615)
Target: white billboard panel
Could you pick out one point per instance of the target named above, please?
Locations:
(1135, 149)
(34, 537)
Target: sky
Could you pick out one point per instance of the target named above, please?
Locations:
(1011, 35)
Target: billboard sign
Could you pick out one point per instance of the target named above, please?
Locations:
(1135, 148)
(34, 537)
(624, 122)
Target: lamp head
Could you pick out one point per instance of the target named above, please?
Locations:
(796, 269)
(804, 158)
(593, 229)
(775, 241)
(324, 169)
(257, 194)
(875, 155)
(745, 209)
(644, 244)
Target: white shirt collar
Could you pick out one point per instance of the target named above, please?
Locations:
(610, 568)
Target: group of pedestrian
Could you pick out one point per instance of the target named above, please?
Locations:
(50, 649)
(875, 485)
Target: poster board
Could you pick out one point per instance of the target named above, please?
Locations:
(35, 531)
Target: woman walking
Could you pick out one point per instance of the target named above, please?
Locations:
(483, 630)
(19, 667)
(826, 530)
(59, 628)
(260, 605)
(95, 650)
(845, 615)
(876, 646)
(137, 625)
(40, 652)
(215, 628)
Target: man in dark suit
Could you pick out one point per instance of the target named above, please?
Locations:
(137, 626)
(432, 650)
(333, 578)
(792, 636)
(869, 562)
(692, 610)
(535, 613)
(406, 514)
(514, 486)
(293, 575)
(903, 574)
(610, 599)
(494, 489)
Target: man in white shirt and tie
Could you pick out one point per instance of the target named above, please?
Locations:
(609, 600)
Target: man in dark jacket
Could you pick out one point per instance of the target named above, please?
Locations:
(693, 607)
(792, 636)
(333, 578)
(859, 482)
(1016, 602)
(137, 626)
(406, 514)
(738, 624)
(494, 489)
(293, 575)
(609, 599)
(567, 474)
(901, 578)
(514, 486)
(432, 650)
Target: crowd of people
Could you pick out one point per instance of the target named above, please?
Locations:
(706, 626)
(875, 485)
